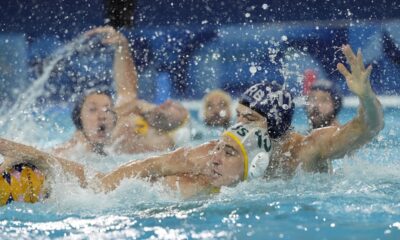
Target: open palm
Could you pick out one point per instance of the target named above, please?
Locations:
(358, 79)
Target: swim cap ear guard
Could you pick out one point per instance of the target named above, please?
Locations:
(255, 146)
(274, 103)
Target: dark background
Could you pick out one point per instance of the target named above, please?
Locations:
(39, 17)
(167, 36)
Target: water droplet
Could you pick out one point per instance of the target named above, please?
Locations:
(253, 70)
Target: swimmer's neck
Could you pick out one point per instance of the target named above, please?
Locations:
(89, 145)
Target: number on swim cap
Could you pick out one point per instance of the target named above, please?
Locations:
(255, 145)
(263, 141)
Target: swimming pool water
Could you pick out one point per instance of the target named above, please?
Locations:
(359, 201)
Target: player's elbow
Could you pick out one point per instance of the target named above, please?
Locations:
(372, 130)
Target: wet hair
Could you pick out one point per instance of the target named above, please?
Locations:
(334, 92)
(76, 111)
(274, 103)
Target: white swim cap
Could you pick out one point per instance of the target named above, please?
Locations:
(255, 146)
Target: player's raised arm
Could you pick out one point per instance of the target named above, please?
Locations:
(335, 142)
(125, 73)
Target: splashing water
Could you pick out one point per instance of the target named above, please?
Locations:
(20, 121)
(360, 199)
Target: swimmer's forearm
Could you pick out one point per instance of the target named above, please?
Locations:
(356, 133)
(74, 169)
(372, 112)
(112, 180)
(125, 73)
(182, 161)
(164, 165)
(335, 142)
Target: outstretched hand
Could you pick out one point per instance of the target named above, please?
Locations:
(110, 35)
(358, 79)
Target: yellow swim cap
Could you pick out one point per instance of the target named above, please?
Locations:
(22, 183)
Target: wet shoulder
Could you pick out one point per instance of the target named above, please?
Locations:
(309, 148)
(294, 144)
(295, 151)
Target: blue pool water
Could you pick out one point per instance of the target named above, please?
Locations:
(359, 201)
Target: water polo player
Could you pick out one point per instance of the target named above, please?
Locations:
(323, 104)
(242, 153)
(141, 126)
(264, 106)
(132, 125)
(94, 120)
(271, 106)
